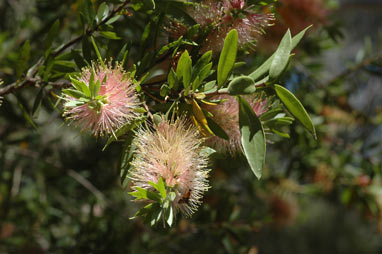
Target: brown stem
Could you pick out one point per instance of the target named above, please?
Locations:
(152, 96)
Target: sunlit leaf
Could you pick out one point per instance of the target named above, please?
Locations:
(227, 57)
(295, 107)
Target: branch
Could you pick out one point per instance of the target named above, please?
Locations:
(72, 173)
(30, 80)
(354, 68)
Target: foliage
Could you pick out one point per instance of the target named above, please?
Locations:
(67, 191)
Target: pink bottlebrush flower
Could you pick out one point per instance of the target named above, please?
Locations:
(112, 108)
(172, 151)
(226, 115)
(223, 16)
(209, 12)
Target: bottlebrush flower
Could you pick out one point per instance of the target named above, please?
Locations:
(104, 100)
(226, 115)
(223, 16)
(172, 151)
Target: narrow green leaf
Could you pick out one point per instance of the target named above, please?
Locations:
(196, 83)
(216, 129)
(205, 72)
(87, 9)
(109, 35)
(23, 60)
(162, 187)
(81, 86)
(103, 11)
(37, 103)
(297, 38)
(25, 112)
(252, 137)
(295, 107)
(227, 57)
(80, 62)
(141, 193)
(200, 64)
(183, 69)
(281, 56)
(97, 52)
(128, 150)
(169, 46)
(170, 217)
(74, 93)
(164, 90)
(97, 87)
(92, 84)
(86, 49)
(264, 68)
(172, 79)
(113, 19)
(241, 85)
(52, 34)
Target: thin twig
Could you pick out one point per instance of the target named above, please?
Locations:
(152, 96)
(76, 176)
(30, 80)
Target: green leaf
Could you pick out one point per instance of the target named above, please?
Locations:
(87, 9)
(183, 70)
(162, 187)
(81, 86)
(92, 84)
(109, 35)
(170, 216)
(97, 87)
(216, 129)
(242, 85)
(141, 193)
(128, 150)
(205, 72)
(227, 57)
(25, 112)
(113, 19)
(252, 137)
(52, 34)
(97, 52)
(270, 114)
(103, 11)
(295, 107)
(172, 79)
(169, 46)
(200, 64)
(37, 103)
(23, 60)
(264, 68)
(200, 118)
(196, 84)
(80, 62)
(281, 56)
(143, 211)
(164, 90)
(74, 93)
(86, 49)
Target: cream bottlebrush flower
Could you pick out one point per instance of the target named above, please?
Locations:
(226, 15)
(226, 115)
(109, 109)
(172, 151)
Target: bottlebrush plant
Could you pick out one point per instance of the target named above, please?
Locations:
(172, 98)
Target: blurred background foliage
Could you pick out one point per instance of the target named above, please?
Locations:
(59, 192)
